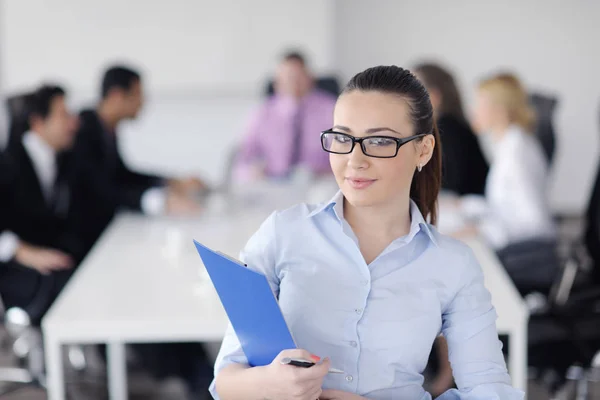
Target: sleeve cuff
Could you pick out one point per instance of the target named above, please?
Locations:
(154, 201)
(473, 206)
(494, 232)
(8, 246)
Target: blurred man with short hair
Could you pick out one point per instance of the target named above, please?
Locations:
(38, 237)
(284, 133)
(105, 183)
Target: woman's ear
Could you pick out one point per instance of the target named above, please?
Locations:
(426, 149)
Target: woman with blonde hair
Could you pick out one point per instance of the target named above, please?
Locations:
(515, 206)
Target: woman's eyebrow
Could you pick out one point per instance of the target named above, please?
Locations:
(383, 128)
(341, 128)
(369, 131)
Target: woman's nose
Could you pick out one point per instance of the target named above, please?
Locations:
(357, 158)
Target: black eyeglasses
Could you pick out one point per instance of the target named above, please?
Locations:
(372, 146)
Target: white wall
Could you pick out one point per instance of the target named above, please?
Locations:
(187, 134)
(204, 63)
(220, 45)
(552, 45)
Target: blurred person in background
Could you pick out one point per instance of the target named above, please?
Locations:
(464, 168)
(104, 181)
(284, 133)
(105, 184)
(515, 206)
(38, 237)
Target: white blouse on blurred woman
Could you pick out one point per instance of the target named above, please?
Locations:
(515, 206)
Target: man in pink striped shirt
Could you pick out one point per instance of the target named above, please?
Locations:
(284, 133)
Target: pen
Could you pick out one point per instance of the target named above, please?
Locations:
(306, 364)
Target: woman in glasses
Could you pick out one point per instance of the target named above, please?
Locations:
(363, 280)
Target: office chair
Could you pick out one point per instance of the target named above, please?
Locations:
(18, 112)
(564, 339)
(592, 232)
(544, 107)
(229, 170)
(26, 339)
(328, 84)
(570, 323)
(532, 265)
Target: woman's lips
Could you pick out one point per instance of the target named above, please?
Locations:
(360, 183)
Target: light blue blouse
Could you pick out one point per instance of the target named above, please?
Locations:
(378, 322)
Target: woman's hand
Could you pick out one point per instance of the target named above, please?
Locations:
(339, 395)
(181, 204)
(286, 382)
(187, 185)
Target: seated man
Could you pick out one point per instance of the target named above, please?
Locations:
(38, 241)
(104, 182)
(285, 132)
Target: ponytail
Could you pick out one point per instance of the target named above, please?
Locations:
(426, 184)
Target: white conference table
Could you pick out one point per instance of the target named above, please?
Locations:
(513, 314)
(144, 282)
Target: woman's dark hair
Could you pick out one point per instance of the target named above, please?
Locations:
(437, 78)
(400, 82)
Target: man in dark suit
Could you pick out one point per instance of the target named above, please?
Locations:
(38, 244)
(105, 183)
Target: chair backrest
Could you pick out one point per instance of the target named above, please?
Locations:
(18, 113)
(592, 233)
(228, 176)
(533, 265)
(328, 84)
(544, 107)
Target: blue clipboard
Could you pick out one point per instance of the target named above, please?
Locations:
(250, 305)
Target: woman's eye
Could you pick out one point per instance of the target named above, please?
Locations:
(342, 139)
(380, 142)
